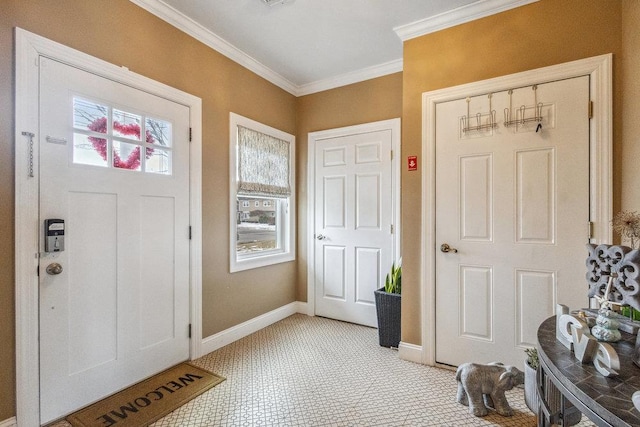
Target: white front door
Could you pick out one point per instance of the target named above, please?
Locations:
(514, 203)
(114, 166)
(353, 224)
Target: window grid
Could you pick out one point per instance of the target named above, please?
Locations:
(98, 134)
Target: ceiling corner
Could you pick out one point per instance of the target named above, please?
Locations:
(380, 70)
(200, 33)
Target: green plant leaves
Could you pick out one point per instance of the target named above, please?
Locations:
(393, 281)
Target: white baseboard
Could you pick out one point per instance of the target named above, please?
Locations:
(11, 422)
(303, 308)
(219, 340)
(410, 352)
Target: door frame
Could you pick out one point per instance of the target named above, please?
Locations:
(599, 69)
(394, 126)
(28, 48)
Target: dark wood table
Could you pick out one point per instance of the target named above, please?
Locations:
(564, 383)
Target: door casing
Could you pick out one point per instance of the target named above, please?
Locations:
(394, 126)
(28, 48)
(599, 69)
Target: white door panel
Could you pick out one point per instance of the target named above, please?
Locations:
(514, 202)
(353, 218)
(119, 311)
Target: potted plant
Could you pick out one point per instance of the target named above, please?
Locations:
(531, 364)
(388, 308)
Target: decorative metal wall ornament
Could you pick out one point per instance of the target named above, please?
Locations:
(620, 263)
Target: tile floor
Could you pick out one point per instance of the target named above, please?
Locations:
(311, 371)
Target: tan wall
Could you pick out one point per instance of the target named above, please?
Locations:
(369, 101)
(540, 34)
(121, 33)
(545, 33)
(630, 88)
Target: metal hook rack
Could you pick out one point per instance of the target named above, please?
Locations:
(466, 120)
(508, 112)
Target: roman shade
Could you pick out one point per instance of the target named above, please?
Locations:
(263, 164)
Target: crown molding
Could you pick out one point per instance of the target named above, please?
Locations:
(479, 9)
(380, 70)
(200, 33)
(461, 15)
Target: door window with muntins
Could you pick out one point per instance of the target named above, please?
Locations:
(110, 137)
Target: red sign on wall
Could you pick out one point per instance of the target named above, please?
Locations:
(412, 163)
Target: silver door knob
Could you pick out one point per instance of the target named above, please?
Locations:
(54, 268)
(321, 237)
(446, 248)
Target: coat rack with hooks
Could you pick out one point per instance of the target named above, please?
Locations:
(520, 113)
(466, 120)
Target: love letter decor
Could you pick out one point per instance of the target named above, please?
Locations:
(574, 334)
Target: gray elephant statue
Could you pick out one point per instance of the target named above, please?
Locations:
(480, 386)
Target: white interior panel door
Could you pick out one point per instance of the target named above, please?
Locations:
(114, 166)
(354, 241)
(512, 203)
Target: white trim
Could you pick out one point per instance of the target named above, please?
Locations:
(187, 25)
(26, 235)
(11, 422)
(350, 78)
(477, 10)
(219, 340)
(394, 126)
(410, 352)
(288, 235)
(195, 208)
(601, 138)
(28, 48)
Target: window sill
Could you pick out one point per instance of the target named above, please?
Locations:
(248, 263)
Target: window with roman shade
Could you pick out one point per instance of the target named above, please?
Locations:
(262, 194)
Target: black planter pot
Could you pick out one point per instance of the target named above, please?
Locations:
(388, 310)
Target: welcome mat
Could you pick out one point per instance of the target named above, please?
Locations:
(149, 400)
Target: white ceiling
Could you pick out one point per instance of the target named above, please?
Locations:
(305, 46)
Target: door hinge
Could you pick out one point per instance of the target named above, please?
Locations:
(190, 134)
(189, 330)
(38, 271)
(590, 230)
(391, 154)
(391, 228)
(591, 109)
(189, 232)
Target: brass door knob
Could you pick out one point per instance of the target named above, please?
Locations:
(54, 268)
(446, 248)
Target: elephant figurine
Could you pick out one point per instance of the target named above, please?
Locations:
(480, 386)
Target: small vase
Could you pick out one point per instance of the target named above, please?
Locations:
(606, 328)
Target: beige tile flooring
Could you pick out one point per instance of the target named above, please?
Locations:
(311, 371)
